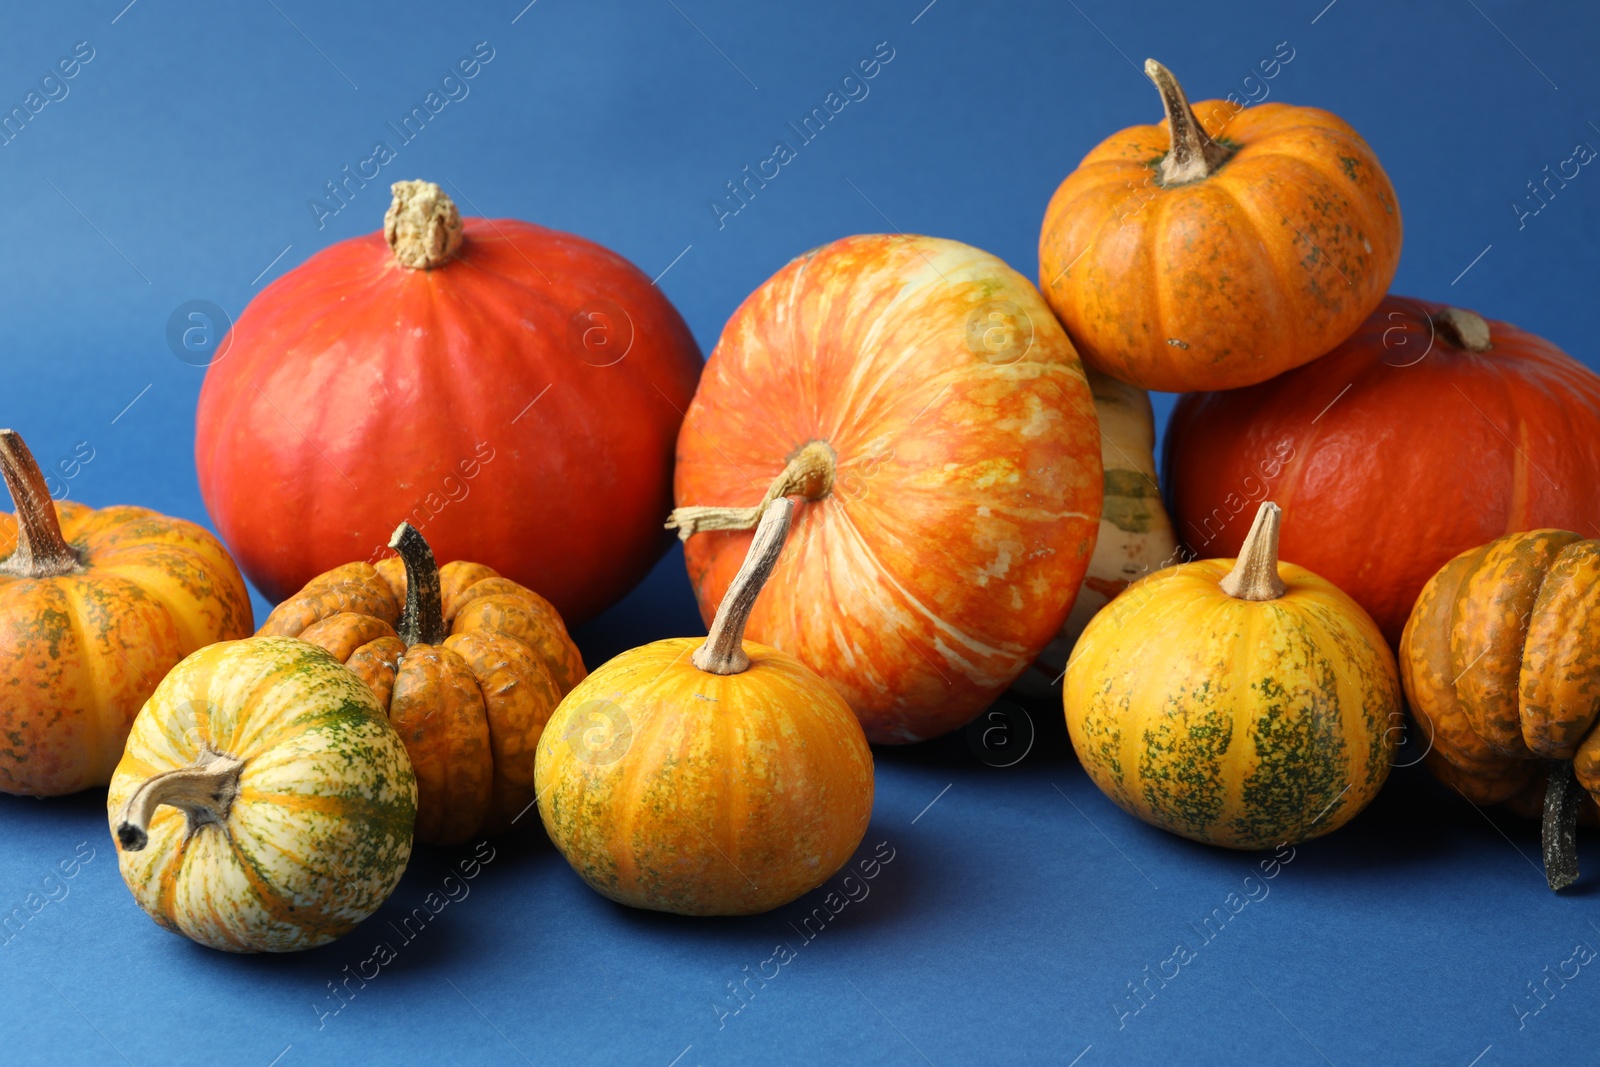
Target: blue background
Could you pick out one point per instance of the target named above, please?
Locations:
(1018, 906)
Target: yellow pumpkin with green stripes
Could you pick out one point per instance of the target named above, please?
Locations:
(263, 802)
(1245, 703)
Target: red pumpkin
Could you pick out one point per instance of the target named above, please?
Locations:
(394, 375)
(1437, 427)
(921, 399)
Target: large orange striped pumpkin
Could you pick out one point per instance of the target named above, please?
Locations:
(922, 401)
(264, 803)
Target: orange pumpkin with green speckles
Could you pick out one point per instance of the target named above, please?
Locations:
(264, 803)
(469, 670)
(1501, 664)
(723, 778)
(923, 403)
(1220, 248)
(95, 606)
(1242, 703)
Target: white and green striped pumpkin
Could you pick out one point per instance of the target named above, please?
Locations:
(263, 802)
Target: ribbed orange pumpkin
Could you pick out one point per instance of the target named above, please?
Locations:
(469, 671)
(95, 607)
(920, 398)
(1216, 251)
(1501, 665)
(707, 778)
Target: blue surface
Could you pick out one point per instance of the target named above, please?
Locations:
(1021, 904)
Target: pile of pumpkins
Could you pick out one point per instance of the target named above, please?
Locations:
(906, 480)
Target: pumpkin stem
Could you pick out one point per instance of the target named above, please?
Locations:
(723, 652)
(1193, 154)
(1464, 329)
(422, 225)
(1255, 572)
(809, 474)
(1562, 798)
(41, 550)
(204, 791)
(422, 621)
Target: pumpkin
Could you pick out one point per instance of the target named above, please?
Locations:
(1500, 660)
(721, 777)
(1245, 703)
(95, 606)
(1135, 535)
(468, 670)
(400, 373)
(1438, 427)
(1221, 247)
(919, 398)
(264, 804)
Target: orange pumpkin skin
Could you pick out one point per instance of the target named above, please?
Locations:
(1501, 662)
(670, 788)
(1262, 265)
(81, 653)
(964, 503)
(469, 709)
(1401, 428)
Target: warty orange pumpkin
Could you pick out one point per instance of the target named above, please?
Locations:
(721, 777)
(467, 664)
(1221, 247)
(921, 401)
(1246, 703)
(95, 607)
(1501, 664)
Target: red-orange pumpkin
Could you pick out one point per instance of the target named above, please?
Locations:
(397, 374)
(1430, 424)
(922, 400)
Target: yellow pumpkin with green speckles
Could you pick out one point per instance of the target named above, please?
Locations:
(1242, 703)
(95, 606)
(264, 803)
(723, 778)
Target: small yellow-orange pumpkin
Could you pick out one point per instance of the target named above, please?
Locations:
(469, 671)
(1220, 248)
(1501, 664)
(726, 780)
(1242, 703)
(95, 607)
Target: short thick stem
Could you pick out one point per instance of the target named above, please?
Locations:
(422, 225)
(1464, 329)
(41, 550)
(723, 652)
(1193, 154)
(204, 791)
(422, 621)
(1563, 796)
(1255, 572)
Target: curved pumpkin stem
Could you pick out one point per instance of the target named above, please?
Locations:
(204, 791)
(1255, 572)
(1563, 796)
(1193, 154)
(422, 621)
(41, 550)
(809, 474)
(723, 652)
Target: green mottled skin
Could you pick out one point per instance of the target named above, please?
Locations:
(1234, 722)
